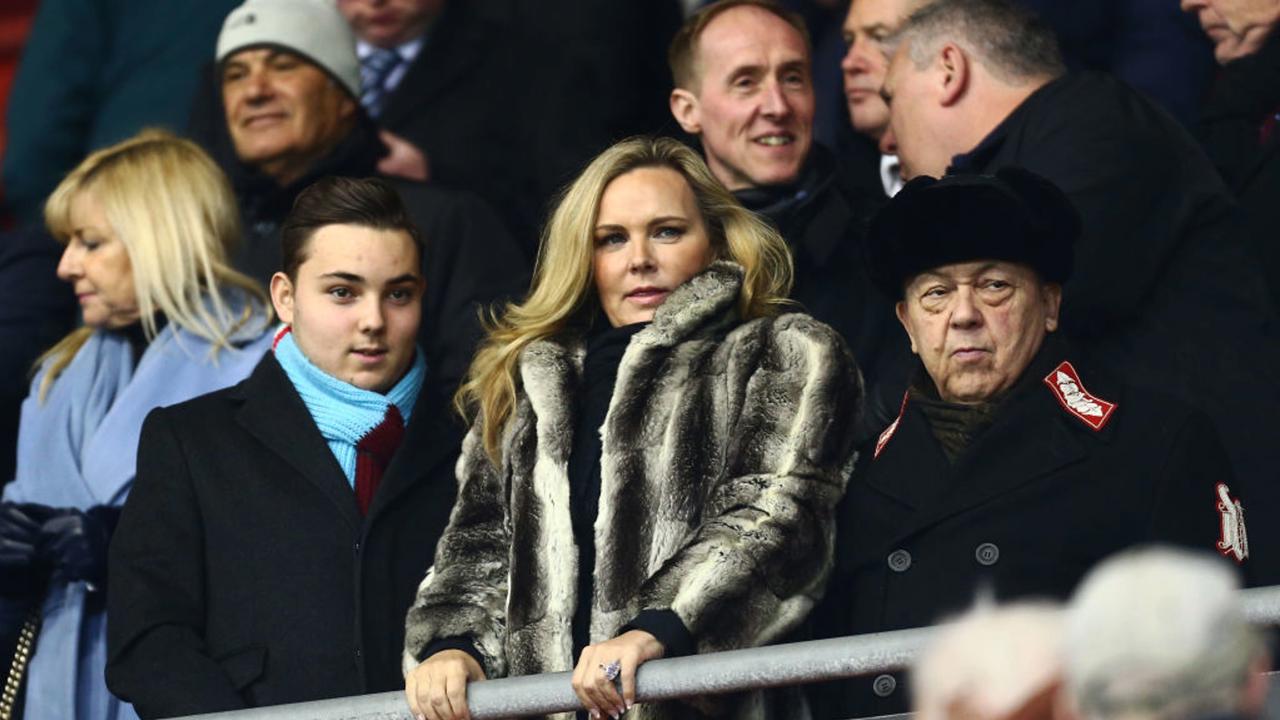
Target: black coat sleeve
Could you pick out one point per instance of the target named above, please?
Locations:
(155, 598)
(1185, 509)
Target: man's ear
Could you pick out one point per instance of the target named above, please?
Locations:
(953, 73)
(900, 309)
(282, 297)
(686, 110)
(347, 108)
(1052, 304)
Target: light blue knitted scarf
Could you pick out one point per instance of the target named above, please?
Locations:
(343, 412)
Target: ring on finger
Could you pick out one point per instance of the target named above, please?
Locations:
(612, 670)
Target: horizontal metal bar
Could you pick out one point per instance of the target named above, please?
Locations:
(731, 671)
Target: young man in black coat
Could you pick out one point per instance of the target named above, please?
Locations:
(277, 530)
(1016, 462)
(1164, 289)
(289, 114)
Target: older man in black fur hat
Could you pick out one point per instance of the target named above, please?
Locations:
(1015, 464)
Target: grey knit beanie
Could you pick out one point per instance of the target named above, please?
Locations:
(312, 28)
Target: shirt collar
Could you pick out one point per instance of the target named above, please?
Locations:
(407, 51)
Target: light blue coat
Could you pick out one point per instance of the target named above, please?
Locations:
(78, 449)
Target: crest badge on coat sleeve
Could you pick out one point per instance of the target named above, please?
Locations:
(887, 435)
(1090, 409)
(1234, 540)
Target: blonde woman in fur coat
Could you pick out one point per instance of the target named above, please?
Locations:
(656, 451)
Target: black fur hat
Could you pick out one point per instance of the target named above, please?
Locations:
(1014, 215)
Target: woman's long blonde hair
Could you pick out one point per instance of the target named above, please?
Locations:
(563, 296)
(176, 215)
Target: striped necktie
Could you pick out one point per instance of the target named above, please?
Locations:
(375, 68)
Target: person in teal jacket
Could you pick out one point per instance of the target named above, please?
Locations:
(93, 73)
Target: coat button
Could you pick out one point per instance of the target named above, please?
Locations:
(356, 547)
(899, 561)
(884, 685)
(987, 554)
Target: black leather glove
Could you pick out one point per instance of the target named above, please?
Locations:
(74, 542)
(23, 572)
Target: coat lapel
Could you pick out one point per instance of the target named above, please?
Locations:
(909, 454)
(430, 439)
(1033, 437)
(275, 414)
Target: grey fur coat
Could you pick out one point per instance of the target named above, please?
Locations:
(724, 451)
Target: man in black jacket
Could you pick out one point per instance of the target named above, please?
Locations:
(1238, 121)
(743, 87)
(277, 530)
(1016, 462)
(1164, 290)
(290, 85)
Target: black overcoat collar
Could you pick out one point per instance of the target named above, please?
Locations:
(975, 160)
(431, 438)
(1032, 437)
(274, 413)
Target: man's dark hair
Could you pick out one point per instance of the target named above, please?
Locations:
(682, 53)
(364, 202)
(1015, 44)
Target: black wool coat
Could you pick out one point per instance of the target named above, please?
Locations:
(1164, 290)
(242, 573)
(1026, 510)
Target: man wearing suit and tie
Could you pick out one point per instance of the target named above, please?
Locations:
(437, 76)
(278, 529)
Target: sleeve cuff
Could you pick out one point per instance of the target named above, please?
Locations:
(453, 643)
(667, 627)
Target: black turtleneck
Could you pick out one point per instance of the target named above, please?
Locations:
(605, 347)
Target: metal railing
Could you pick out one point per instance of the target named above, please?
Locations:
(771, 666)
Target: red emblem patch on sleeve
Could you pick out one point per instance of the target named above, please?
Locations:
(887, 435)
(1091, 410)
(1234, 539)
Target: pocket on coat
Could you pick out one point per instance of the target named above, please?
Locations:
(243, 666)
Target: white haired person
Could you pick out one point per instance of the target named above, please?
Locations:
(992, 663)
(148, 225)
(1159, 634)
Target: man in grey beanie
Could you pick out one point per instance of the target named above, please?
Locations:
(290, 88)
(290, 80)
